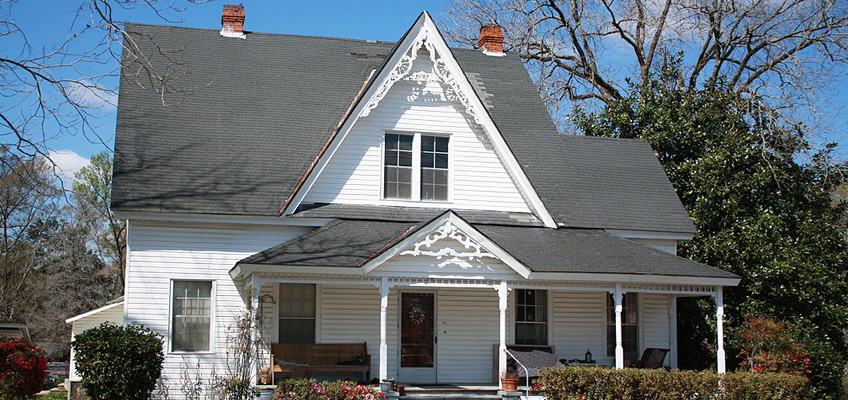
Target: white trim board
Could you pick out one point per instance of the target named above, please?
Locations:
(425, 33)
(92, 312)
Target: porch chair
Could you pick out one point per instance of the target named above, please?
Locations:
(652, 358)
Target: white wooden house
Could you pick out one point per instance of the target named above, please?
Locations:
(408, 195)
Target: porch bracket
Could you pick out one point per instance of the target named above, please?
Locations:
(618, 296)
(721, 357)
(503, 296)
(384, 287)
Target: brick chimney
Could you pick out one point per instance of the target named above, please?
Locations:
(232, 21)
(491, 40)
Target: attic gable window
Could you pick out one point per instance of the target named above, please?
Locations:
(416, 167)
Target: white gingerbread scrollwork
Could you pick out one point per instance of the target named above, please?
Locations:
(473, 251)
(403, 70)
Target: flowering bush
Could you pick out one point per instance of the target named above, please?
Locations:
(768, 347)
(23, 368)
(309, 389)
(572, 383)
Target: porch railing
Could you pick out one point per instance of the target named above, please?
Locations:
(526, 372)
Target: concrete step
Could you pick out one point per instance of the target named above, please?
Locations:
(451, 395)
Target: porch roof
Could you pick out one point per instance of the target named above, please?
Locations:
(350, 243)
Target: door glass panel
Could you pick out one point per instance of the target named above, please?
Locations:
(417, 330)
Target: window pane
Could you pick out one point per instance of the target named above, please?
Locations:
(297, 313)
(191, 306)
(442, 144)
(405, 142)
(428, 143)
(427, 160)
(441, 193)
(531, 317)
(441, 161)
(391, 141)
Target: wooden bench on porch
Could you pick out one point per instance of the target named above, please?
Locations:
(307, 359)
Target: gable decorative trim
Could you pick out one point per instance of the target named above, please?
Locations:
(449, 231)
(402, 70)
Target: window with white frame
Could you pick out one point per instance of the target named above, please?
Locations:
(629, 326)
(416, 167)
(297, 313)
(191, 322)
(531, 316)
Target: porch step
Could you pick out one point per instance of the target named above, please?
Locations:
(451, 395)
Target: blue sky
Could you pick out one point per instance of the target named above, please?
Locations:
(48, 22)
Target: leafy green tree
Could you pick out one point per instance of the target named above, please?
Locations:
(92, 193)
(763, 206)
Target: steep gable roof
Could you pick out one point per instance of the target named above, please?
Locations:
(252, 114)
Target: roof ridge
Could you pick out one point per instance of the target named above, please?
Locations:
(366, 41)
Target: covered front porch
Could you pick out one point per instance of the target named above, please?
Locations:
(440, 301)
(438, 330)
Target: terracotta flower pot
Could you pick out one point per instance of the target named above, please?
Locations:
(509, 384)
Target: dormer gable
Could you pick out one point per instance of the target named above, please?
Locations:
(419, 135)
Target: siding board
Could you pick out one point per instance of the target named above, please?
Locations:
(478, 177)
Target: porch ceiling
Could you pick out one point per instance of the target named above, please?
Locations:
(349, 243)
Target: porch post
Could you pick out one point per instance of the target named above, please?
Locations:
(720, 355)
(619, 337)
(256, 285)
(384, 348)
(503, 293)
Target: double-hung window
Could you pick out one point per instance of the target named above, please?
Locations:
(629, 326)
(297, 313)
(191, 322)
(531, 317)
(416, 167)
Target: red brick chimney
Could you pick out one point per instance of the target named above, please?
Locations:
(232, 21)
(491, 40)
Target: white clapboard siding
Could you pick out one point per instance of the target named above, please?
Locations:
(580, 325)
(351, 314)
(480, 268)
(161, 252)
(467, 329)
(666, 245)
(114, 315)
(478, 178)
(655, 322)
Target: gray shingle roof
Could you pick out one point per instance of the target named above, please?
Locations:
(251, 115)
(412, 214)
(349, 243)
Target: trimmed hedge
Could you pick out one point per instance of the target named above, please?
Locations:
(118, 362)
(571, 383)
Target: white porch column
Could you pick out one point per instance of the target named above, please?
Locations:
(384, 348)
(720, 354)
(619, 336)
(256, 285)
(672, 331)
(503, 295)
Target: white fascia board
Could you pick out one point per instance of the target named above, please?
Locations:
(92, 312)
(425, 25)
(242, 271)
(631, 234)
(434, 225)
(221, 218)
(631, 278)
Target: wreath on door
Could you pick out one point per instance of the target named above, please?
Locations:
(417, 315)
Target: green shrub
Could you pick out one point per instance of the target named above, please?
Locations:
(117, 362)
(309, 389)
(52, 396)
(22, 369)
(572, 383)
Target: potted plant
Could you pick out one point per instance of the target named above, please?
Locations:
(509, 380)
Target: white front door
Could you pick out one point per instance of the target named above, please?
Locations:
(417, 337)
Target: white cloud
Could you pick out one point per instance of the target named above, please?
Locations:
(66, 164)
(93, 95)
